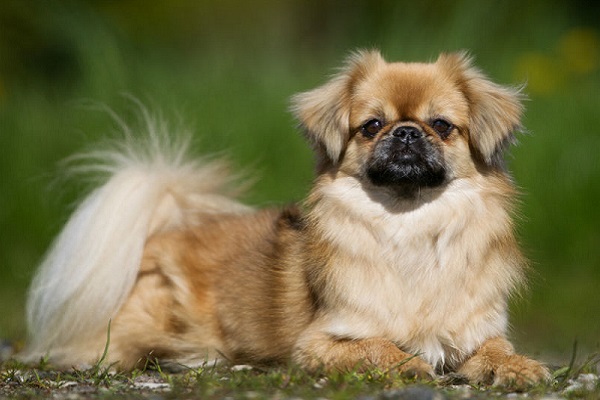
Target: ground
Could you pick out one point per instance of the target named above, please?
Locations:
(246, 382)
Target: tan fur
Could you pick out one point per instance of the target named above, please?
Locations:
(365, 275)
(496, 363)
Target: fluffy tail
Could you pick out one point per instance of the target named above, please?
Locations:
(92, 265)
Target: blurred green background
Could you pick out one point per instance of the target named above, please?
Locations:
(227, 68)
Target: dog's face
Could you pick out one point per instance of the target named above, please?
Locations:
(409, 126)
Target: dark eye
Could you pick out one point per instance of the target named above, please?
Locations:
(371, 127)
(442, 127)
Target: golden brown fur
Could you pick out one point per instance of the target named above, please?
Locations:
(401, 262)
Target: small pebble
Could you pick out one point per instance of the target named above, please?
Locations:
(152, 385)
(584, 382)
(241, 367)
(320, 384)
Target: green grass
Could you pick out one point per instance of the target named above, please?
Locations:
(218, 382)
(226, 69)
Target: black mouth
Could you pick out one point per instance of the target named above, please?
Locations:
(395, 163)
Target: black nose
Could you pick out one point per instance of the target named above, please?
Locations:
(407, 134)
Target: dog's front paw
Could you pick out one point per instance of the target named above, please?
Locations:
(416, 368)
(495, 363)
(519, 373)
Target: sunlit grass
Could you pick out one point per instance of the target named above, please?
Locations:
(244, 382)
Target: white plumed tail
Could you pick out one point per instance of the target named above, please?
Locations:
(92, 265)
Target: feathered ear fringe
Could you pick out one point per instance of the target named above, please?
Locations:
(92, 265)
(323, 113)
(495, 111)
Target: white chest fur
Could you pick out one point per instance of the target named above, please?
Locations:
(427, 275)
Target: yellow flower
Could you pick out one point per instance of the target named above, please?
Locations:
(580, 50)
(542, 73)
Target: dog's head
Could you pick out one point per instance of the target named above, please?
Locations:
(409, 125)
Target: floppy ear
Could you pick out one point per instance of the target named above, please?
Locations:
(495, 111)
(324, 112)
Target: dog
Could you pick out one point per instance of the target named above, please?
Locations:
(402, 258)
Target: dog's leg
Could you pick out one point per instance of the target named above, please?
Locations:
(316, 350)
(495, 362)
